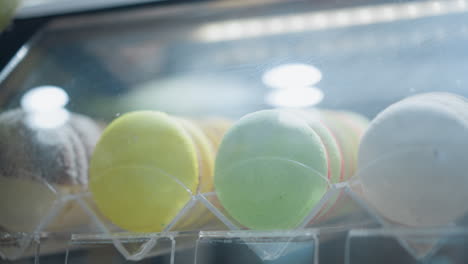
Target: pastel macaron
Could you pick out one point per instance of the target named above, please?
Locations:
(329, 140)
(413, 163)
(345, 128)
(40, 165)
(348, 128)
(271, 170)
(214, 129)
(144, 170)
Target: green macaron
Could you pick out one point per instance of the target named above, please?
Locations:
(271, 170)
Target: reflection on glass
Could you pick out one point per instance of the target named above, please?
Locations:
(295, 97)
(45, 106)
(292, 76)
(320, 20)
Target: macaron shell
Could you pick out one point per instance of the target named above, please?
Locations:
(270, 170)
(205, 155)
(56, 155)
(143, 171)
(416, 174)
(356, 125)
(38, 166)
(328, 139)
(215, 128)
(211, 136)
(345, 139)
(267, 194)
(415, 107)
(88, 131)
(198, 215)
(454, 102)
(273, 126)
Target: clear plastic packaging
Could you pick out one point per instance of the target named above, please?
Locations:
(111, 63)
(363, 224)
(268, 245)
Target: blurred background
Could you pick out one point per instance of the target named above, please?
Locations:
(230, 58)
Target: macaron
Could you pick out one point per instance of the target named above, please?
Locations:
(271, 170)
(346, 128)
(347, 138)
(147, 166)
(144, 170)
(329, 140)
(205, 154)
(38, 165)
(214, 129)
(412, 160)
(198, 215)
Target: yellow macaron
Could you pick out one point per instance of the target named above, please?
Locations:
(144, 170)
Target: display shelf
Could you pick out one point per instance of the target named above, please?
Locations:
(371, 245)
(366, 240)
(203, 225)
(197, 246)
(441, 245)
(334, 209)
(267, 245)
(15, 245)
(141, 248)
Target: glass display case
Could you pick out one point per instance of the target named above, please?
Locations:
(138, 135)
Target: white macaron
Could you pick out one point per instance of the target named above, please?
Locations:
(412, 160)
